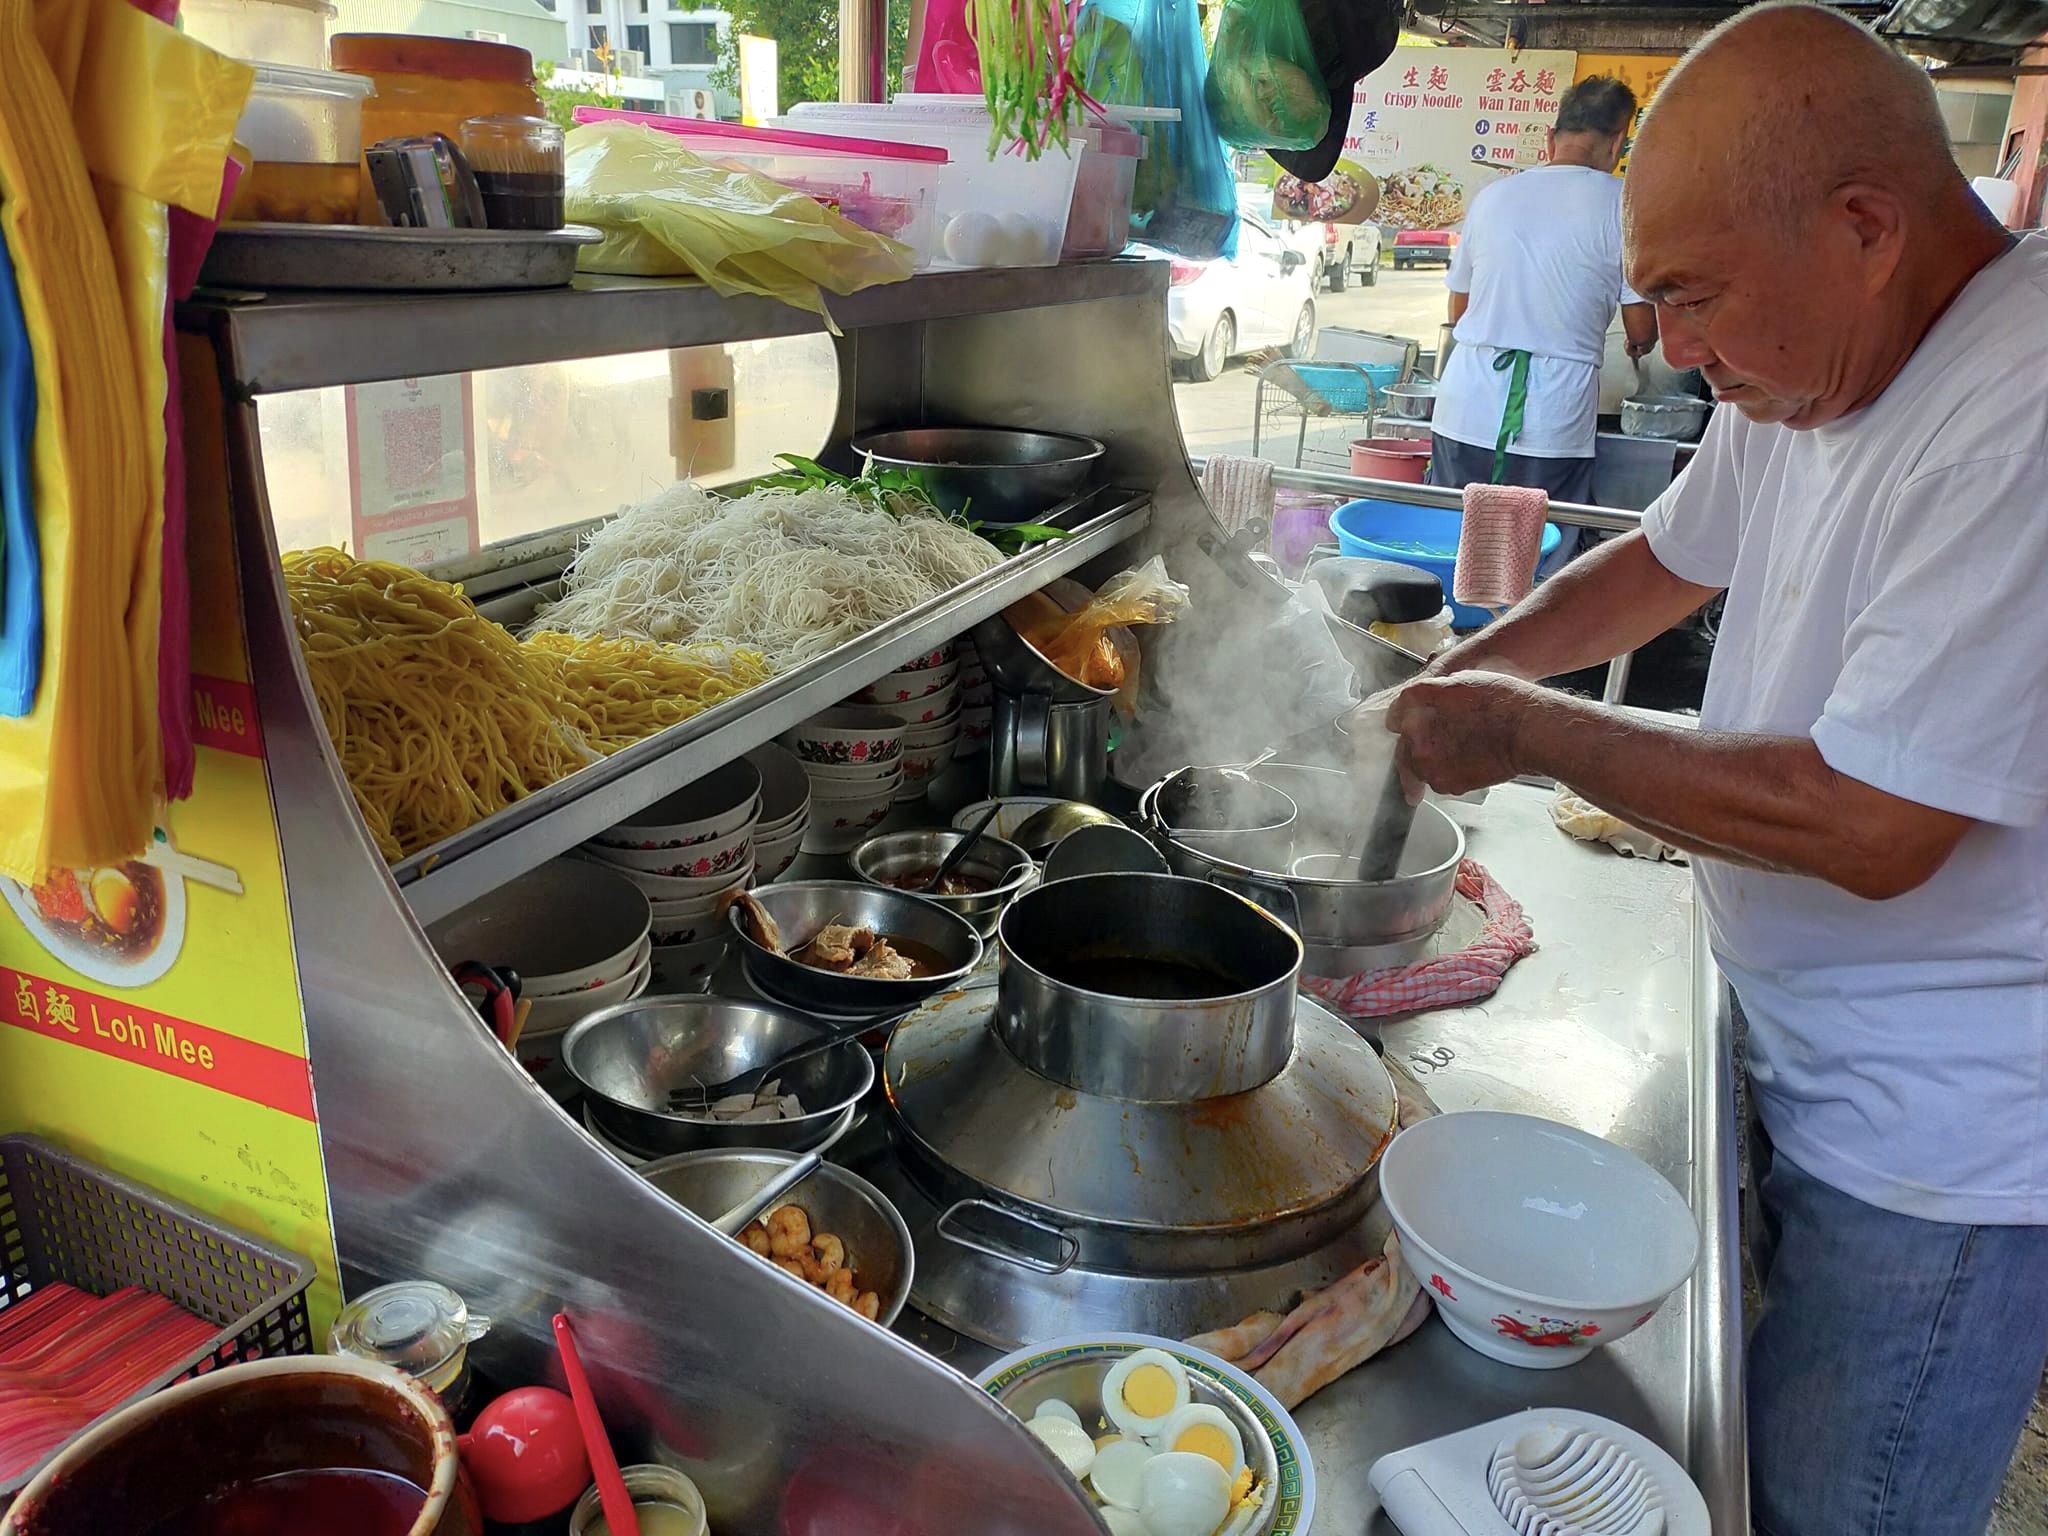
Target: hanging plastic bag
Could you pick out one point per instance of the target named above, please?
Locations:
(1149, 53)
(1265, 89)
(666, 213)
(1080, 643)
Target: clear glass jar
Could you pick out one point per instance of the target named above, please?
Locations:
(667, 1503)
(417, 1326)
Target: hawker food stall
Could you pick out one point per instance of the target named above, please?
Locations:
(751, 842)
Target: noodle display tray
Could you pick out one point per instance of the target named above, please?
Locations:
(459, 869)
(66, 1221)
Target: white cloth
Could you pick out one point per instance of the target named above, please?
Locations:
(1887, 582)
(1540, 255)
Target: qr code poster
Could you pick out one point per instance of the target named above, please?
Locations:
(412, 470)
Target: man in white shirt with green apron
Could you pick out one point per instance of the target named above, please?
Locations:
(1866, 795)
(1534, 283)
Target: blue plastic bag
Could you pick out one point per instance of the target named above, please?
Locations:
(21, 564)
(1149, 53)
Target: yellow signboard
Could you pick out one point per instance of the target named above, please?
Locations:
(149, 1011)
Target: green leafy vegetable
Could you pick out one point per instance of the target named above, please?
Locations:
(887, 490)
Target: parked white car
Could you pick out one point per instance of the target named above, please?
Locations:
(1337, 253)
(1264, 296)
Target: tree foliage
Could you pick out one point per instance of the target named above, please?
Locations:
(806, 34)
(561, 100)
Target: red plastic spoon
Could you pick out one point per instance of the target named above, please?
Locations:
(619, 1514)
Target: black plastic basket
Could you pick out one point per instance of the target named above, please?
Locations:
(65, 1221)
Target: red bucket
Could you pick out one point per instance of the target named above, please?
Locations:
(1390, 458)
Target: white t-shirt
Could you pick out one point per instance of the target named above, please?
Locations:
(1887, 582)
(1540, 256)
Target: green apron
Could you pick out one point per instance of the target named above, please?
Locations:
(1515, 363)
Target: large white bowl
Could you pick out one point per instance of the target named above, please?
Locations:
(699, 861)
(1537, 1242)
(720, 803)
(772, 858)
(848, 734)
(565, 925)
(826, 776)
(941, 703)
(906, 686)
(785, 787)
(673, 888)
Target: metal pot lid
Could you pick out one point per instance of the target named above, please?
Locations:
(1296, 1143)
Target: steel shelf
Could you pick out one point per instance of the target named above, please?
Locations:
(288, 341)
(459, 869)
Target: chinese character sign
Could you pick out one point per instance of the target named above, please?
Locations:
(1436, 125)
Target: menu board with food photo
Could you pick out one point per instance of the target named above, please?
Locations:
(149, 1007)
(1435, 125)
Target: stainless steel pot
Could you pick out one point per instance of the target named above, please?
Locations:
(1332, 913)
(997, 474)
(1008, 869)
(1677, 418)
(1019, 669)
(1412, 401)
(1146, 987)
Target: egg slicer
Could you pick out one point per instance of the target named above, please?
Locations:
(1547, 1472)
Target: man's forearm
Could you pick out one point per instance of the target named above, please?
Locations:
(1766, 802)
(1602, 605)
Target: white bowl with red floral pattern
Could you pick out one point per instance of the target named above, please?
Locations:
(714, 809)
(702, 861)
(907, 687)
(848, 736)
(1538, 1242)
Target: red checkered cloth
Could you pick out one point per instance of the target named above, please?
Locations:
(1442, 981)
(1498, 545)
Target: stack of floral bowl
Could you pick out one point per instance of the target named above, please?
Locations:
(785, 809)
(854, 757)
(687, 853)
(977, 700)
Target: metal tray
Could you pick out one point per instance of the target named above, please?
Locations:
(361, 256)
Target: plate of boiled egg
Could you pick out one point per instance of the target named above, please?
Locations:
(1167, 1440)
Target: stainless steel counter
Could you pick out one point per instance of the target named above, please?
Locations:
(1613, 1026)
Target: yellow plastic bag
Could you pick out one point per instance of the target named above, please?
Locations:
(666, 213)
(1080, 644)
(95, 99)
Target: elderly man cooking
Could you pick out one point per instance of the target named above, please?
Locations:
(1867, 792)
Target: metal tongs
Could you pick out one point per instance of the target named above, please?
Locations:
(425, 183)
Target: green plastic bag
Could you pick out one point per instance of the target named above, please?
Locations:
(1265, 89)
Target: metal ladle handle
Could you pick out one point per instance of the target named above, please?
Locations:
(1069, 1246)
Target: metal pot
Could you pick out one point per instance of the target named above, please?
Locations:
(1103, 987)
(1009, 869)
(1412, 401)
(1006, 476)
(1332, 913)
(1676, 418)
(1017, 668)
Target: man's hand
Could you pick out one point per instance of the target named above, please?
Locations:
(1460, 732)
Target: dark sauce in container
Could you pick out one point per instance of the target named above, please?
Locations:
(325, 1501)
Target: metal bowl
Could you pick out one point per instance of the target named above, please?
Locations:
(1677, 418)
(630, 1058)
(880, 860)
(802, 908)
(1074, 1370)
(708, 1184)
(998, 474)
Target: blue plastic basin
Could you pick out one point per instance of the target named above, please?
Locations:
(1424, 537)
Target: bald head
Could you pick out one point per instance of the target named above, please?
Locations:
(1795, 214)
(1781, 105)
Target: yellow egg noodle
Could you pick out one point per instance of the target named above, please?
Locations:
(791, 573)
(441, 717)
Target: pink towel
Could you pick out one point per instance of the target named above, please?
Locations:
(1498, 544)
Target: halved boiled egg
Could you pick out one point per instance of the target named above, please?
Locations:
(1205, 1431)
(1143, 1390)
(1066, 1440)
(1124, 1522)
(1183, 1494)
(1118, 1467)
(1054, 1408)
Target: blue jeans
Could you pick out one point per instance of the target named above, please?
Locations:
(1892, 1364)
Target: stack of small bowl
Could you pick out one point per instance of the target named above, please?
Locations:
(686, 852)
(576, 933)
(925, 697)
(854, 756)
(977, 700)
(785, 809)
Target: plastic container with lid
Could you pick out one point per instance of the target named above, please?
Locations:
(883, 185)
(261, 31)
(416, 1326)
(1100, 221)
(432, 85)
(1008, 210)
(303, 129)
